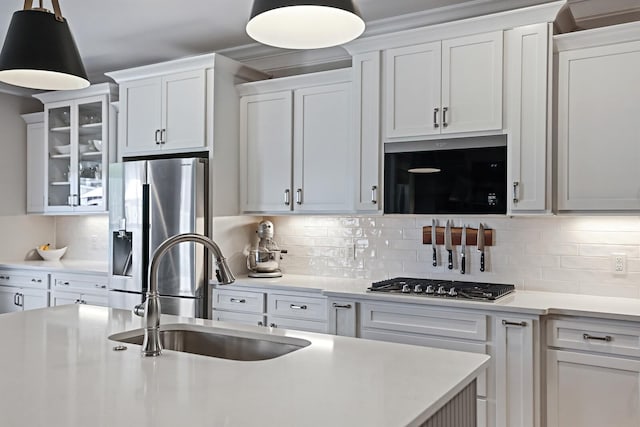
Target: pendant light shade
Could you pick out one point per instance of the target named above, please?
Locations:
(39, 51)
(304, 24)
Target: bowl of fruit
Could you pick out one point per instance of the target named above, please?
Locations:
(50, 254)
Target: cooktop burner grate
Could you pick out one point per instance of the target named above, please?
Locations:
(442, 288)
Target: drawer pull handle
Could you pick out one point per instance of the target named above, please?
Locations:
(297, 307)
(507, 323)
(238, 301)
(260, 324)
(336, 305)
(273, 325)
(606, 338)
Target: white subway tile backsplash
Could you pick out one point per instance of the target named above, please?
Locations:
(561, 254)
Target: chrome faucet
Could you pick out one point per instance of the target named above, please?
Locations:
(151, 346)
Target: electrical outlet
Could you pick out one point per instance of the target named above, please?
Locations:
(619, 263)
(94, 242)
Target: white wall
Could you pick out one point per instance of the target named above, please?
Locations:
(558, 254)
(233, 234)
(86, 237)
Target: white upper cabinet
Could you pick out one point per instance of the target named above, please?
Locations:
(163, 113)
(472, 83)
(413, 90)
(526, 86)
(598, 126)
(366, 85)
(266, 150)
(78, 128)
(35, 162)
(322, 148)
(444, 87)
(296, 144)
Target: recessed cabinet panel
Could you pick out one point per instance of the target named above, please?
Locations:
(140, 114)
(266, 151)
(472, 83)
(413, 90)
(323, 148)
(35, 168)
(598, 128)
(184, 114)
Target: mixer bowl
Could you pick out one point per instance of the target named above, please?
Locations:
(263, 261)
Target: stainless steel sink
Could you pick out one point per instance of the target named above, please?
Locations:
(217, 342)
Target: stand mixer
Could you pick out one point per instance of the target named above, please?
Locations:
(264, 260)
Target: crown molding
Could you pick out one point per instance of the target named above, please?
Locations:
(65, 95)
(449, 21)
(597, 37)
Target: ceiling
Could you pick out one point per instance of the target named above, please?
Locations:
(117, 34)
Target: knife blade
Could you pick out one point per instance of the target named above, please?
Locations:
(448, 245)
(481, 245)
(434, 233)
(463, 249)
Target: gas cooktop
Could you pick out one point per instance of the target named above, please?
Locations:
(442, 288)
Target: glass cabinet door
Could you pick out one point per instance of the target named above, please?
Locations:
(91, 154)
(59, 161)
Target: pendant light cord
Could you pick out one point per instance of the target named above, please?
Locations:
(28, 5)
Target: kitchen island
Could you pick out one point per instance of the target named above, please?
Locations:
(60, 369)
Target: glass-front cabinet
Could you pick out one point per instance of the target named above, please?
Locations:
(76, 143)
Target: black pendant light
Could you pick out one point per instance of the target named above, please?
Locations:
(39, 51)
(304, 24)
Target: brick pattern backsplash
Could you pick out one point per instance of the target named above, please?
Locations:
(557, 254)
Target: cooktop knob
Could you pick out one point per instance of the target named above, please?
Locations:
(453, 292)
(406, 289)
(417, 289)
(429, 289)
(441, 290)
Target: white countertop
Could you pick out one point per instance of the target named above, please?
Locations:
(68, 265)
(59, 369)
(523, 302)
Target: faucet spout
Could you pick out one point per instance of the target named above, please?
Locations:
(152, 346)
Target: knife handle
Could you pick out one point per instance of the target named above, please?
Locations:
(450, 260)
(462, 264)
(435, 258)
(482, 261)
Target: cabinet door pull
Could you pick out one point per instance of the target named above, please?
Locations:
(444, 117)
(435, 118)
(287, 197)
(507, 323)
(273, 325)
(260, 323)
(606, 338)
(20, 300)
(15, 300)
(515, 191)
(163, 133)
(299, 196)
(297, 307)
(157, 137)
(77, 301)
(374, 194)
(336, 305)
(238, 300)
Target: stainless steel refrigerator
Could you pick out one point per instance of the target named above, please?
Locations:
(150, 201)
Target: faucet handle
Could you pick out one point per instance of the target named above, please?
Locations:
(138, 310)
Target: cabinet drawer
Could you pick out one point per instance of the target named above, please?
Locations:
(297, 307)
(235, 300)
(80, 282)
(594, 336)
(425, 321)
(29, 279)
(244, 318)
(297, 324)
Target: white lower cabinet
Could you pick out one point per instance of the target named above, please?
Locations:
(593, 373)
(342, 317)
(517, 371)
(78, 289)
(23, 290)
(289, 310)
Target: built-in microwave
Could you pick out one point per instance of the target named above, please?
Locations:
(455, 176)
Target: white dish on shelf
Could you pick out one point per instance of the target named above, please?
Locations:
(63, 149)
(83, 148)
(52, 254)
(97, 144)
